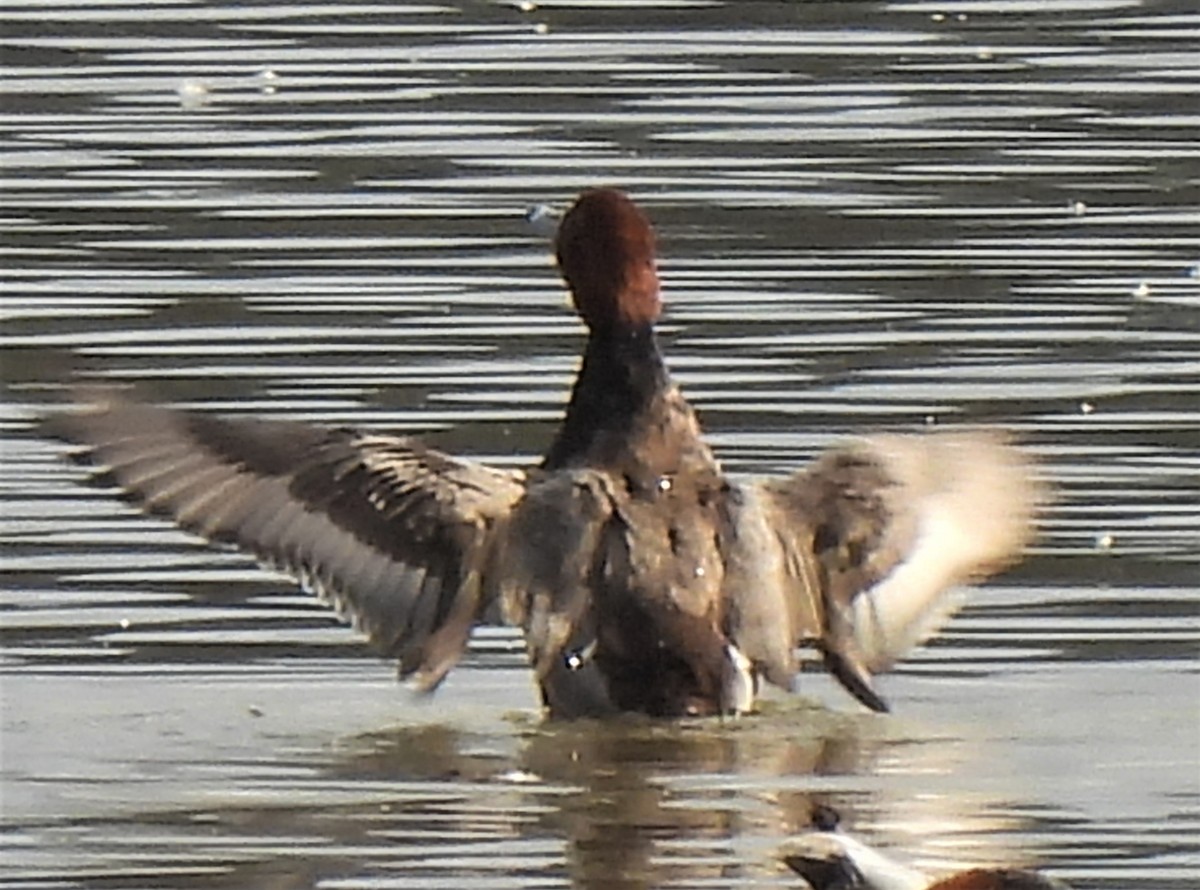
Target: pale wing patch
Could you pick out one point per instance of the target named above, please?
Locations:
(973, 497)
(878, 534)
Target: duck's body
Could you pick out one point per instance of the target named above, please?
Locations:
(644, 578)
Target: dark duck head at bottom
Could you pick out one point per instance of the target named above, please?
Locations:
(644, 578)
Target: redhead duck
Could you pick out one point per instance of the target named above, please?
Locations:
(829, 860)
(643, 577)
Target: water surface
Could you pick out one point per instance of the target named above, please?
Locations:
(872, 215)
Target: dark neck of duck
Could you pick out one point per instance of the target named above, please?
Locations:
(622, 372)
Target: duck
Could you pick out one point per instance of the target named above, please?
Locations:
(643, 577)
(829, 860)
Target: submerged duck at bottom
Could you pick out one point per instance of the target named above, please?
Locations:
(643, 577)
(830, 860)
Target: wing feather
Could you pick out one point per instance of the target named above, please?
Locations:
(396, 536)
(879, 534)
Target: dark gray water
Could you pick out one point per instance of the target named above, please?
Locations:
(873, 215)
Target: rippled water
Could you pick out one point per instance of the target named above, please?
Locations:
(872, 215)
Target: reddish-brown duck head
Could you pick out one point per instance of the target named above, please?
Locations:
(605, 251)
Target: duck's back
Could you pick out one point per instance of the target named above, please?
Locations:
(619, 552)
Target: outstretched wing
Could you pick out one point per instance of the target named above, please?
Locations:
(881, 533)
(396, 536)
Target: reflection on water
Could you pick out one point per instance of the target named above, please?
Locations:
(632, 804)
(872, 215)
(623, 804)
